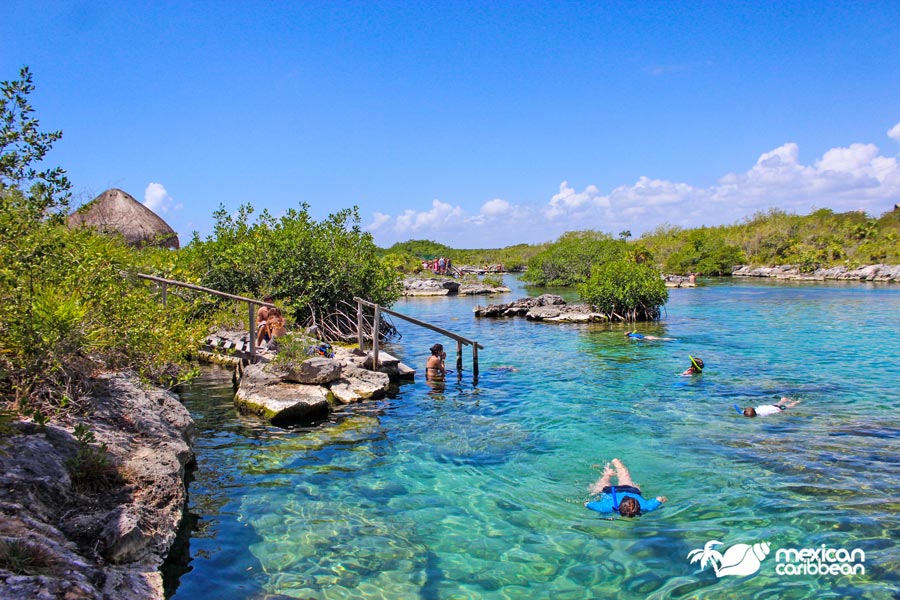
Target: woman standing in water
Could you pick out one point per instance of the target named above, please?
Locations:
(434, 366)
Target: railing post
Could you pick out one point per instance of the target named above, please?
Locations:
(360, 335)
(475, 359)
(459, 358)
(252, 337)
(376, 324)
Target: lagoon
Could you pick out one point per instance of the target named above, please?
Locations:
(475, 489)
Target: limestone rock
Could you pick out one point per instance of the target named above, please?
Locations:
(263, 392)
(357, 385)
(318, 370)
(107, 545)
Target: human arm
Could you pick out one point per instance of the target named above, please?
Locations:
(652, 504)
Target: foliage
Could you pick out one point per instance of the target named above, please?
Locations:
(568, 261)
(314, 268)
(492, 280)
(704, 251)
(22, 146)
(66, 308)
(819, 240)
(294, 348)
(90, 469)
(413, 252)
(626, 290)
(23, 558)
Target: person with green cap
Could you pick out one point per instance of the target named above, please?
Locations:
(696, 366)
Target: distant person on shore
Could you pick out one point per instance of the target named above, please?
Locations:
(696, 366)
(262, 315)
(623, 498)
(643, 336)
(692, 278)
(769, 409)
(434, 366)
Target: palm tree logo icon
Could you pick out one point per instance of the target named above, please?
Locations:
(707, 556)
(740, 559)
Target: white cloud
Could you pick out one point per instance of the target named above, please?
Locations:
(157, 199)
(378, 221)
(894, 132)
(568, 201)
(495, 208)
(441, 213)
(855, 177)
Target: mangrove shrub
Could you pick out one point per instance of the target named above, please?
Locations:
(568, 261)
(314, 268)
(626, 290)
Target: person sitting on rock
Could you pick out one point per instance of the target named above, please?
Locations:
(624, 498)
(262, 315)
(434, 366)
(770, 409)
(275, 328)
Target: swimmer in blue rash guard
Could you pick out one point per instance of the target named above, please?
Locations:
(623, 498)
(643, 336)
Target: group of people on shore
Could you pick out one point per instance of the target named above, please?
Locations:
(439, 266)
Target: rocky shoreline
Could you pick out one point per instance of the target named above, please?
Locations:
(885, 273)
(435, 286)
(106, 544)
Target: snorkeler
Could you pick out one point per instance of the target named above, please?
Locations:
(768, 409)
(643, 336)
(696, 366)
(624, 498)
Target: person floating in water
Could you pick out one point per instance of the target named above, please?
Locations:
(696, 366)
(434, 366)
(768, 409)
(643, 336)
(623, 498)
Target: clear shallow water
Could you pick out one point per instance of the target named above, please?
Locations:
(476, 490)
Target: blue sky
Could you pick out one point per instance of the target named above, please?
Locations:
(475, 124)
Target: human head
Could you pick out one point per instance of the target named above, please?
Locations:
(437, 349)
(629, 507)
(268, 298)
(749, 412)
(697, 363)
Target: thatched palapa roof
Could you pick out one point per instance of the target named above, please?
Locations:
(115, 211)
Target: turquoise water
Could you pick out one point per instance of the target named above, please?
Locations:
(475, 490)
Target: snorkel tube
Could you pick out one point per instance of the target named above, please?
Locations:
(694, 362)
(738, 408)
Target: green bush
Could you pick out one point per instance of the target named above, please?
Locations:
(626, 291)
(568, 261)
(313, 268)
(67, 304)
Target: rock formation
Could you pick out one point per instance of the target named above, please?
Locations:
(98, 545)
